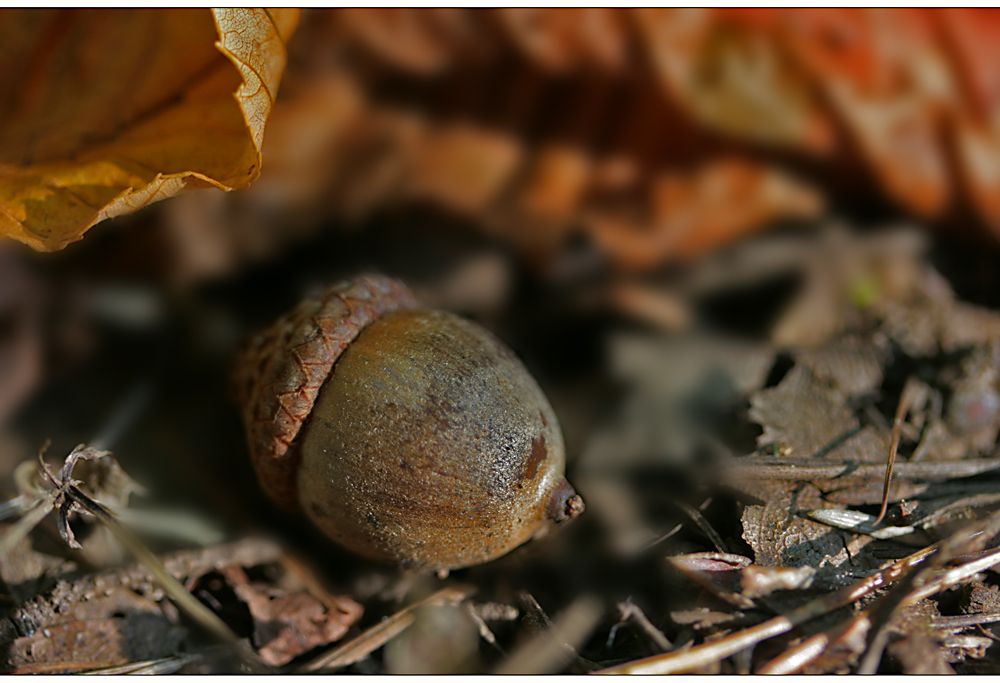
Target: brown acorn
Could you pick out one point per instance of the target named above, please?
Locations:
(407, 435)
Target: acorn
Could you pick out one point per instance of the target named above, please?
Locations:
(407, 435)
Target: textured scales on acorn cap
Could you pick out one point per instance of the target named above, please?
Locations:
(409, 436)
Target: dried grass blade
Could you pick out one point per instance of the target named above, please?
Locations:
(704, 525)
(23, 526)
(906, 398)
(152, 667)
(548, 652)
(181, 597)
(384, 631)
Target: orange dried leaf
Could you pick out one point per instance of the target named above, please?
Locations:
(103, 112)
(556, 183)
(408, 37)
(560, 41)
(738, 81)
(887, 80)
(464, 168)
(970, 40)
(693, 214)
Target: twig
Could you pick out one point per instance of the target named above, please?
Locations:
(971, 539)
(786, 469)
(126, 412)
(798, 657)
(964, 621)
(680, 661)
(795, 659)
(948, 579)
(484, 630)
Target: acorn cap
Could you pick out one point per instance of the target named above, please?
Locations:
(280, 370)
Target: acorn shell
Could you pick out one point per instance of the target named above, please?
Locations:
(431, 446)
(281, 369)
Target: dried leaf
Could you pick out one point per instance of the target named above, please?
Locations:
(462, 168)
(118, 616)
(100, 642)
(781, 538)
(850, 364)
(694, 213)
(802, 413)
(92, 132)
(287, 625)
(410, 38)
(735, 80)
(889, 89)
(816, 469)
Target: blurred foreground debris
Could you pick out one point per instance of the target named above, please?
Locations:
(115, 617)
(733, 481)
(108, 620)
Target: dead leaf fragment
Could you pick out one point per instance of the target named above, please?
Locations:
(109, 618)
(780, 538)
(286, 625)
(802, 413)
(853, 365)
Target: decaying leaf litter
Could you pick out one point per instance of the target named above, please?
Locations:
(728, 422)
(726, 477)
